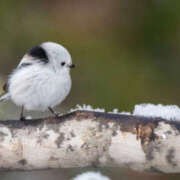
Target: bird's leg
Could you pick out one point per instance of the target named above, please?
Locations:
(22, 118)
(53, 112)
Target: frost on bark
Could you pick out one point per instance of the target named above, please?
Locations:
(87, 138)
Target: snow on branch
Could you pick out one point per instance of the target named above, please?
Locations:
(147, 140)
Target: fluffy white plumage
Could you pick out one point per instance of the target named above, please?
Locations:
(42, 78)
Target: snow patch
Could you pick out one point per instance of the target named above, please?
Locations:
(169, 112)
(116, 111)
(85, 107)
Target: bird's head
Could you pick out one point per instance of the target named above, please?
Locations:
(53, 55)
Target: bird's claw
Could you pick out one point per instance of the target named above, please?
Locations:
(22, 118)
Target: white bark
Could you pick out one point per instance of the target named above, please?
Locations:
(85, 138)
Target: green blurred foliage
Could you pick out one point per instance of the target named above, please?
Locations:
(127, 52)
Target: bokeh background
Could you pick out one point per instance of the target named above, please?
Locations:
(126, 52)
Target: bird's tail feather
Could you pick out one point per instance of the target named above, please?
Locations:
(4, 97)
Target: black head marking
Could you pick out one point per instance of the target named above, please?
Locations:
(39, 53)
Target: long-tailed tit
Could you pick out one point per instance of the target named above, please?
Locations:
(41, 80)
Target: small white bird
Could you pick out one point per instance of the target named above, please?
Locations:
(41, 80)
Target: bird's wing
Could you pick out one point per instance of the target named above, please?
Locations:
(21, 65)
(24, 65)
(25, 61)
(34, 56)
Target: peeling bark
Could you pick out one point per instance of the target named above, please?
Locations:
(85, 138)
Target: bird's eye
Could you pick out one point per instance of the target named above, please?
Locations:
(63, 63)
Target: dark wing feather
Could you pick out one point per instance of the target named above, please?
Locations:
(5, 87)
(24, 65)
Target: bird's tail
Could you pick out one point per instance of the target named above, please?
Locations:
(4, 97)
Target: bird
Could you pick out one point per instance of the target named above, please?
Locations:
(41, 80)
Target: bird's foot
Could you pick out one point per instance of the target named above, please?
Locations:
(22, 118)
(57, 115)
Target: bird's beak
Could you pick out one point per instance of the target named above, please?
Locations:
(72, 66)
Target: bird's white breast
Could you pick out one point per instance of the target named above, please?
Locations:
(38, 88)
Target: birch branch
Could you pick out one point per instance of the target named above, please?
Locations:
(87, 138)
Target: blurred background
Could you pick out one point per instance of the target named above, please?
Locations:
(126, 52)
